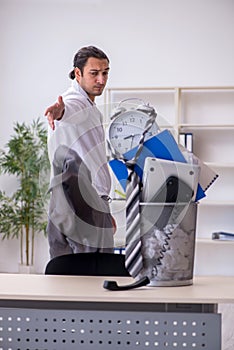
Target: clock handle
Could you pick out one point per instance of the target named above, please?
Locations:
(143, 107)
(132, 99)
(120, 109)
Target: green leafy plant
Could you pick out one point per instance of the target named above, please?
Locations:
(22, 214)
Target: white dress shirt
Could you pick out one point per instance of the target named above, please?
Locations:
(81, 129)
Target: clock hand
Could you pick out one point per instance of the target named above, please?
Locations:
(129, 136)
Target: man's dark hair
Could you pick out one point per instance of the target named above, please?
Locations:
(82, 56)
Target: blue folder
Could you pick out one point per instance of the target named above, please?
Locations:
(162, 146)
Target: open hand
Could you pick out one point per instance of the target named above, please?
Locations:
(55, 112)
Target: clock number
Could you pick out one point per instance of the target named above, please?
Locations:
(119, 129)
(132, 120)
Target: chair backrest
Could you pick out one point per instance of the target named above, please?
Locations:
(89, 264)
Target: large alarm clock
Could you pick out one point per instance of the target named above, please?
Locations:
(126, 127)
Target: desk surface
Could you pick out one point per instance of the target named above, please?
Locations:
(212, 289)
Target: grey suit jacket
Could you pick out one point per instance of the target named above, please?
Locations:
(76, 210)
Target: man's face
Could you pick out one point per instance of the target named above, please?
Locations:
(94, 77)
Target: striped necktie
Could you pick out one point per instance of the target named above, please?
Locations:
(133, 257)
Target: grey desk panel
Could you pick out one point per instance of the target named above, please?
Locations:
(65, 329)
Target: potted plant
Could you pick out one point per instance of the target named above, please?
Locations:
(22, 214)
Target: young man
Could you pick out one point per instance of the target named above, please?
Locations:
(80, 176)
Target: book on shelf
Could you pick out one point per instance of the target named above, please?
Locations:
(223, 236)
(186, 140)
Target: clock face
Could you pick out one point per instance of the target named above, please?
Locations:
(126, 129)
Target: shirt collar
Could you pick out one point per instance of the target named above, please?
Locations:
(78, 88)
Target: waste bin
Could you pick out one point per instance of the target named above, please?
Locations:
(168, 233)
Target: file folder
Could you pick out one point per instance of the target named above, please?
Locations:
(163, 146)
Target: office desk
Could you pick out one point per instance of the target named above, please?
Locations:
(64, 312)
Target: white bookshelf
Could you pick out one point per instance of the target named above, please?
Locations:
(207, 113)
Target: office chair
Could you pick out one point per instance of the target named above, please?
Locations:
(89, 264)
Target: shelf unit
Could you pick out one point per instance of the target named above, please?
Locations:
(207, 113)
